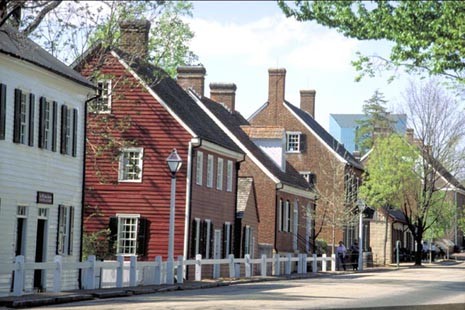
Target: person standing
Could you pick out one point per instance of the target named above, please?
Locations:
(341, 252)
(354, 250)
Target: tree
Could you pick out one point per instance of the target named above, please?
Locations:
(406, 175)
(427, 35)
(377, 119)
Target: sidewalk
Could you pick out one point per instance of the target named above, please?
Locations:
(48, 298)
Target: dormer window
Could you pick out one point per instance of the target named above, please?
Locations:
(102, 104)
(293, 142)
(309, 177)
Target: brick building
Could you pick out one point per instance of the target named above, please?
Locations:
(312, 151)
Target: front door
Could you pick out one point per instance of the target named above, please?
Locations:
(40, 254)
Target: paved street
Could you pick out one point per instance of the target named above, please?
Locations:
(433, 285)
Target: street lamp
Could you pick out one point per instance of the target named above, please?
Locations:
(174, 164)
(361, 207)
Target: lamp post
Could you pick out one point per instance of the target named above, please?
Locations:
(174, 164)
(361, 207)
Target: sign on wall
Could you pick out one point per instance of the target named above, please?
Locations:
(45, 198)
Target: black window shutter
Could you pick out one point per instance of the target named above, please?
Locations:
(32, 105)
(203, 237)
(142, 237)
(231, 239)
(42, 102)
(193, 238)
(2, 111)
(17, 117)
(225, 241)
(71, 231)
(113, 226)
(63, 142)
(212, 238)
(75, 127)
(54, 126)
(58, 247)
(243, 240)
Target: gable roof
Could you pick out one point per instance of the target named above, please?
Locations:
(327, 139)
(233, 121)
(245, 192)
(16, 45)
(178, 101)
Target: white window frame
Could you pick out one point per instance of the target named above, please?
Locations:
(65, 230)
(249, 241)
(48, 125)
(127, 246)
(228, 239)
(229, 176)
(219, 174)
(24, 126)
(103, 103)
(69, 125)
(286, 216)
(280, 215)
(123, 173)
(199, 168)
(296, 145)
(210, 168)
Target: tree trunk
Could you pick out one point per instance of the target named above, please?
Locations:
(418, 252)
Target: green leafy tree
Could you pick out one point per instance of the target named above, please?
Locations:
(426, 35)
(377, 119)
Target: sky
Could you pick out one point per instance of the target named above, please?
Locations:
(238, 41)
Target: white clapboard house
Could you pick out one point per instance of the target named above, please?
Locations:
(42, 113)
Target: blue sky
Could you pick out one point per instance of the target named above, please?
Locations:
(238, 41)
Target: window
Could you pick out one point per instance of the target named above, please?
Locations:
(130, 165)
(195, 243)
(293, 142)
(280, 215)
(219, 174)
(103, 103)
(210, 170)
(23, 131)
(208, 237)
(248, 241)
(199, 168)
(286, 217)
(126, 243)
(47, 124)
(65, 230)
(68, 130)
(227, 240)
(229, 176)
(309, 177)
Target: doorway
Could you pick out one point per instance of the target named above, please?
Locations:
(40, 254)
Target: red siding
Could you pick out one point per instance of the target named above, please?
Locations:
(150, 127)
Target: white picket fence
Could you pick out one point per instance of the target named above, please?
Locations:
(122, 273)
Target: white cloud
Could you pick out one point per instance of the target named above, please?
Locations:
(273, 40)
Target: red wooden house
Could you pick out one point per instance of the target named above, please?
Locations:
(139, 118)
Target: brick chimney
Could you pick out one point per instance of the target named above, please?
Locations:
(224, 93)
(192, 77)
(409, 135)
(135, 37)
(307, 101)
(276, 90)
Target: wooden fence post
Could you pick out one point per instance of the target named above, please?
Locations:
(157, 271)
(333, 262)
(232, 270)
(57, 274)
(119, 271)
(180, 269)
(276, 265)
(263, 265)
(198, 267)
(300, 263)
(314, 264)
(91, 272)
(287, 269)
(133, 271)
(19, 276)
(323, 263)
(247, 266)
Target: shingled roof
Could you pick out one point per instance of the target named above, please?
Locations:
(328, 139)
(16, 45)
(179, 101)
(233, 121)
